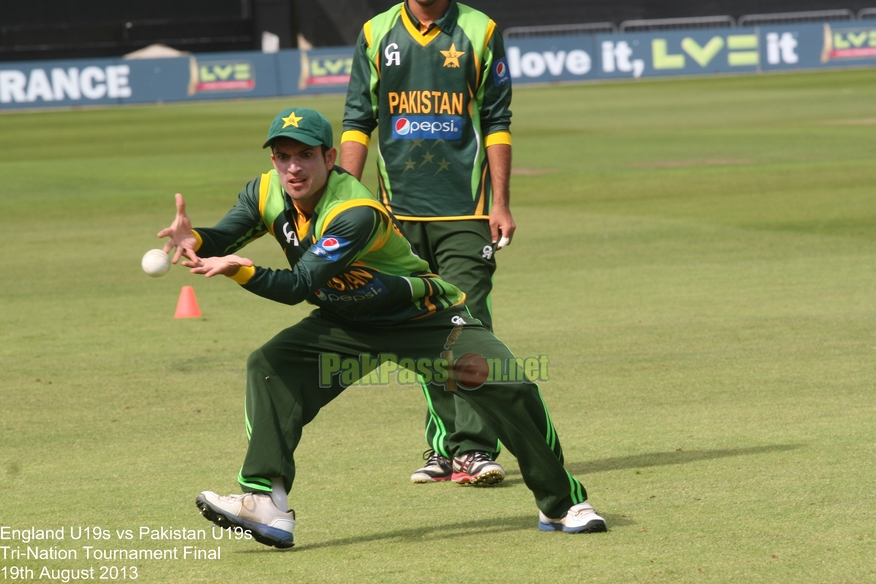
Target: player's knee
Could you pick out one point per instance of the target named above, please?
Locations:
(257, 362)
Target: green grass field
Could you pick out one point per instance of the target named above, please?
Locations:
(696, 258)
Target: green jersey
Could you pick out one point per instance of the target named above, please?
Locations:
(349, 258)
(441, 97)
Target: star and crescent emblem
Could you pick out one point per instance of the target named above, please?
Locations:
(291, 120)
(451, 56)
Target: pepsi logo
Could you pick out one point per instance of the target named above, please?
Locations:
(330, 244)
(427, 127)
(402, 126)
(500, 69)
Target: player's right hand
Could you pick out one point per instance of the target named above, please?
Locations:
(182, 238)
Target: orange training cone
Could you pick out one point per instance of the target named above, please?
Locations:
(187, 306)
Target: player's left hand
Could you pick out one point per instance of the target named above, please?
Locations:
(216, 266)
(502, 226)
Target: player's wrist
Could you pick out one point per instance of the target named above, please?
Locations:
(243, 274)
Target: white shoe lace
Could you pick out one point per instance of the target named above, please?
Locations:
(434, 459)
(467, 462)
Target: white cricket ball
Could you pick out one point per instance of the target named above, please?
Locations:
(155, 263)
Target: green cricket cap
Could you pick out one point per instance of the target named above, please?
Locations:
(300, 123)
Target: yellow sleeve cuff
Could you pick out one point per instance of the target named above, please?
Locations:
(198, 241)
(244, 274)
(498, 138)
(356, 136)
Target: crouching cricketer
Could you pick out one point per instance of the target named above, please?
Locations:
(373, 295)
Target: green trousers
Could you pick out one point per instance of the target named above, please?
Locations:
(461, 253)
(304, 367)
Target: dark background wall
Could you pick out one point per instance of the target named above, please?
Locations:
(53, 29)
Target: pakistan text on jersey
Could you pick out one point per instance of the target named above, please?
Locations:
(425, 102)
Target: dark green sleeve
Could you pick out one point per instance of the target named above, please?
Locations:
(496, 105)
(353, 231)
(241, 225)
(360, 111)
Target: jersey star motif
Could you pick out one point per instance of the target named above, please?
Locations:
(427, 157)
(443, 165)
(291, 120)
(409, 165)
(451, 57)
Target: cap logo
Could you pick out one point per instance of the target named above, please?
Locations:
(291, 120)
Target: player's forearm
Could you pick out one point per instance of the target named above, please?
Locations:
(241, 225)
(499, 158)
(353, 156)
(351, 232)
(285, 286)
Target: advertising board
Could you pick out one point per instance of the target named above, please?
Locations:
(546, 59)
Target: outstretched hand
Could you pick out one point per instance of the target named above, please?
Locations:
(180, 233)
(215, 266)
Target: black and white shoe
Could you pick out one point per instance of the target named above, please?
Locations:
(478, 469)
(437, 469)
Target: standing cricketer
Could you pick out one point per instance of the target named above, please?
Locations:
(373, 297)
(433, 74)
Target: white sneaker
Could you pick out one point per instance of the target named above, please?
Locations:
(253, 512)
(581, 518)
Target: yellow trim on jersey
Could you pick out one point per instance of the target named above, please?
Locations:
(198, 240)
(367, 30)
(243, 275)
(491, 28)
(387, 231)
(264, 189)
(356, 136)
(455, 218)
(302, 228)
(429, 305)
(348, 205)
(488, 34)
(384, 196)
(482, 192)
(423, 39)
(497, 138)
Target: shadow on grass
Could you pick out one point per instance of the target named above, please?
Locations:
(676, 457)
(447, 531)
(527, 522)
(426, 533)
(659, 459)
